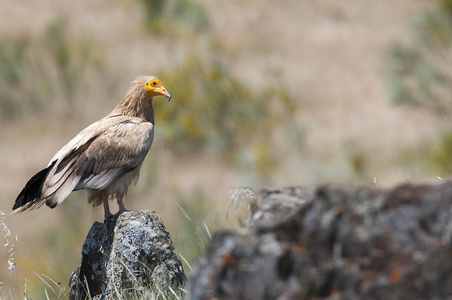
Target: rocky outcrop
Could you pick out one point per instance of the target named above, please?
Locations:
(128, 256)
(334, 243)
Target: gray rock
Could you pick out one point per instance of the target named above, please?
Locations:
(334, 243)
(130, 255)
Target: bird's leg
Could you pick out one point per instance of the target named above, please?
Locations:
(107, 212)
(122, 208)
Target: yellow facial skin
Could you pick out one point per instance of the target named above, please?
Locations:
(155, 87)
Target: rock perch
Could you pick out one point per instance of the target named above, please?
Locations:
(128, 256)
(334, 243)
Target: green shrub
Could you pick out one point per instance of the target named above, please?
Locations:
(70, 57)
(358, 163)
(216, 112)
(12, 56)
(36, 72)
(441, 155)
(166, 16)
(420, 73)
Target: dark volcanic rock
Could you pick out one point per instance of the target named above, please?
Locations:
(125, 257)
(334, 243)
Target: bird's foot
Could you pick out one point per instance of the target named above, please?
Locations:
(114, 216)
(118, 213)
(108, 217)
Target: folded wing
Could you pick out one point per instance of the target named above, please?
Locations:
(95, 159)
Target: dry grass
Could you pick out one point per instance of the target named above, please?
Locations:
(329, 55)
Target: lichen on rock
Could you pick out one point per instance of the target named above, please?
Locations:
(130, 254)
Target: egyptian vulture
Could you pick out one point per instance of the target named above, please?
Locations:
(104, 158)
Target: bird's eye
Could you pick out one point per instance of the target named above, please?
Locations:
(147, 83)
(154, 83)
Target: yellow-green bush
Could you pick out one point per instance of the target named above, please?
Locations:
(441, 155)
(216, 112)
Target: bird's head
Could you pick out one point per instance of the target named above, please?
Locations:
(154, 87)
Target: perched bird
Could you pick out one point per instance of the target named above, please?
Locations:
(104, 158)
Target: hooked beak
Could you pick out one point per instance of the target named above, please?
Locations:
(162, 91)
(167, 95)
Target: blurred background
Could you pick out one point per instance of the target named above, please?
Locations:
(264, 94)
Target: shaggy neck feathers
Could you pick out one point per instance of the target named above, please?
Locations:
(135, 104)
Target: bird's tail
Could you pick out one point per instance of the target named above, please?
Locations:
(30, 196)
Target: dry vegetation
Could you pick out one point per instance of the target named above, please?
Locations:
(263, 94)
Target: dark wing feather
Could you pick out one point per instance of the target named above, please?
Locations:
(32, 191)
